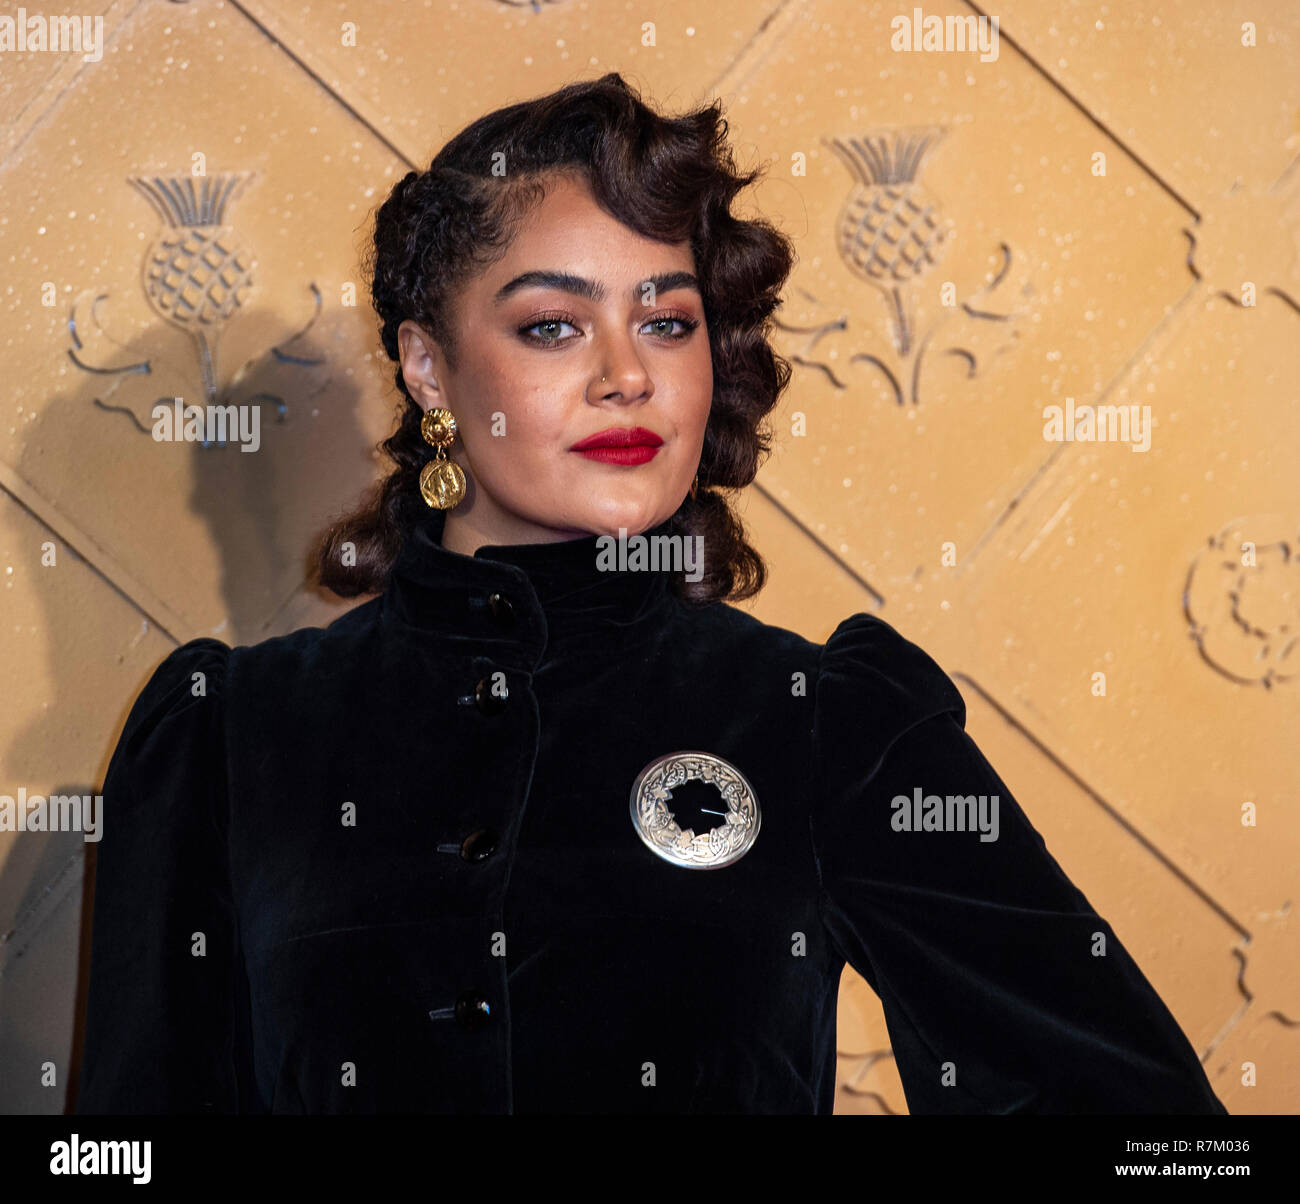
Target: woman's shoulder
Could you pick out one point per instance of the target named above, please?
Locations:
(873, 680)
(205, 666)
(173, 728)
(865, 648)
(300, 660)
(863, 651)
(195, 670)
(866, 669)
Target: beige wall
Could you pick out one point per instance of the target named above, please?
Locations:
(1104, 195)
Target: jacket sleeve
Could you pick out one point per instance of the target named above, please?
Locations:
(166, 1015)
(1003, 990)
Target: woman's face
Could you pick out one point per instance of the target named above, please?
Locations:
(545, 363)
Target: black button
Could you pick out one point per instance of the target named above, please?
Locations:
(479, 845)
(502, 610)
(488, 702)
(472, 1010)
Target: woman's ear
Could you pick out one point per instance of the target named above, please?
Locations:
(421, 361)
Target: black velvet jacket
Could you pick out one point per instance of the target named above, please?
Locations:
(352, 870)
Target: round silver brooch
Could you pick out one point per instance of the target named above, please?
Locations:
(654, 822)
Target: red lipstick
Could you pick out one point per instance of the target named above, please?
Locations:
(620, 445)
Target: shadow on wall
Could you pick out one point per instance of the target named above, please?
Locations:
(93, 454)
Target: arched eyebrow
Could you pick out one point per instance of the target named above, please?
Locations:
(580, 286)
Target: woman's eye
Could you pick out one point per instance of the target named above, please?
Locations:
(549, 328)
(662, 323)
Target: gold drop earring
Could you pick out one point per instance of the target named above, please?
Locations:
(442, 483)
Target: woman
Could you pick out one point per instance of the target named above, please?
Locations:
(547, 825)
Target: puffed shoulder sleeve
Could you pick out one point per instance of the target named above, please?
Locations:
(166, 1013)
(1003, 990)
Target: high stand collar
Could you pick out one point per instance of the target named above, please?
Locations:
(542, 596)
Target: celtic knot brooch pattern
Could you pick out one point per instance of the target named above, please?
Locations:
(655, 824)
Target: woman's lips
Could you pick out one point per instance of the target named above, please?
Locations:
(620, 445)
(621, 455)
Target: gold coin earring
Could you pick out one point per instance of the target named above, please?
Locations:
(442, 483)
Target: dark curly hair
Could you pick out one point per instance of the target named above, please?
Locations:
(667, 178)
